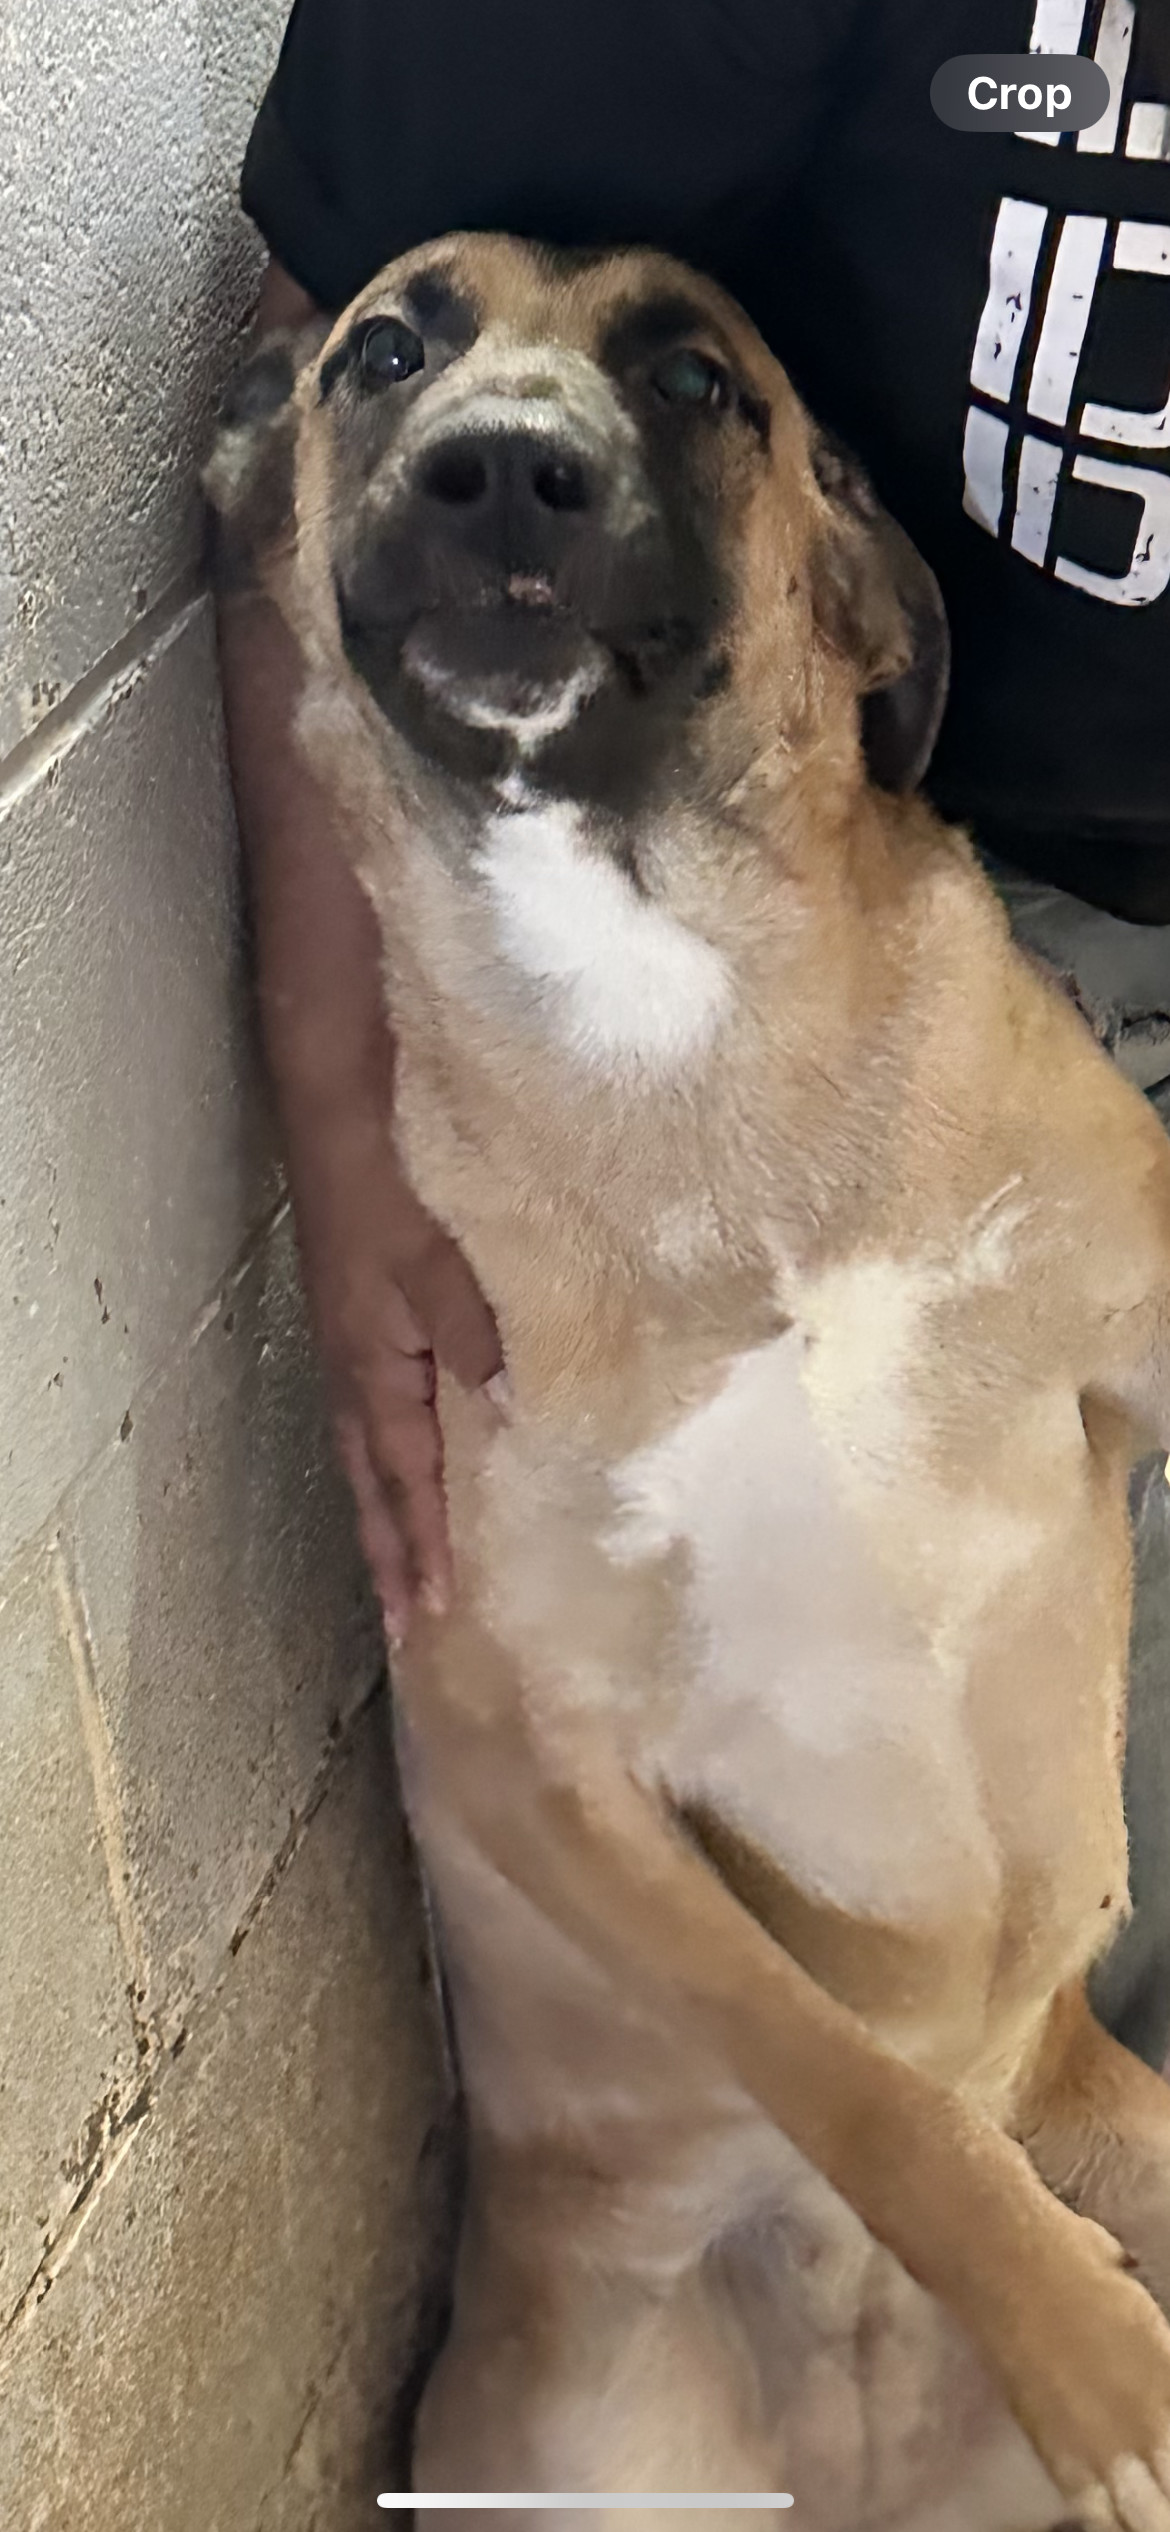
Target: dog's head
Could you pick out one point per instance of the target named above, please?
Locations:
(556, 509)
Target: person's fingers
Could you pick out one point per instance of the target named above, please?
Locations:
(406, 1450)
(441, 1293)
(380, 1532)
(402, 1330)
(387, 1424)
(425, 1515)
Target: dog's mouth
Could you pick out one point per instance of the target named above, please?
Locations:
(519, 662)
(519, 677)
(523, 663)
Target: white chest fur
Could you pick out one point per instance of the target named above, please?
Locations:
(624, 984)
(814, 1712)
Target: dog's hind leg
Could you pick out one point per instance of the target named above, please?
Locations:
(1096, 2122)
(567, 2371)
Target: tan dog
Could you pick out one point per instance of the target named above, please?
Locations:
(767, 1770)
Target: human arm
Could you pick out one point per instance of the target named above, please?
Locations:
(387, 1290)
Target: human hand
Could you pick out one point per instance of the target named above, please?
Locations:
(392, 1297)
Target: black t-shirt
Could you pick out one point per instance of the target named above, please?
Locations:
(986, 319)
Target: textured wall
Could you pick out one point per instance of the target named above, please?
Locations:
(217, 2061)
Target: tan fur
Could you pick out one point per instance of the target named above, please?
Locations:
(905, 1150)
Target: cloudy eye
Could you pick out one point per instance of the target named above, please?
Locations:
(388, 352)
(689, 377)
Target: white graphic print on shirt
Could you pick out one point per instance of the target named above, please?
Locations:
(1047, 271)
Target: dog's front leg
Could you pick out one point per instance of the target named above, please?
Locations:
(1080, 2348)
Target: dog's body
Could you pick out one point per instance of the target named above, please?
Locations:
(781, 1501)
(767, 1767)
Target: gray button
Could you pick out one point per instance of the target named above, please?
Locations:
(1015, 92)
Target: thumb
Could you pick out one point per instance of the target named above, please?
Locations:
(462, 1331)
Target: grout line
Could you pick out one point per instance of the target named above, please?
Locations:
(99, 1749)
(28, 1550)
(49, 2268)
(299, 1825)
(124, 2108)
(120, 2140)
(104, 685)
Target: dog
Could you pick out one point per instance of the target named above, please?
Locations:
(766, 1768)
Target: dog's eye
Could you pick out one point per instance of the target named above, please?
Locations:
(389, 351)
(690, 377)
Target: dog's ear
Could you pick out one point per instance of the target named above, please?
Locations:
(879, 604)
(248, 478)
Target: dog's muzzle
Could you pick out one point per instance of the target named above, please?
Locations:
(517, 510)
(512, 577)
(491, 556)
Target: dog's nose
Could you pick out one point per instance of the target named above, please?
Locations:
(510, 480)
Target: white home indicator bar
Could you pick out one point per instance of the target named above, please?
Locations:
(538, 2504)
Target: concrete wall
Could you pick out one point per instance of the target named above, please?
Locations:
(217, 2061)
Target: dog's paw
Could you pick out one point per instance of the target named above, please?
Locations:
(1134, 2205)
(1094, 2394)
(1135, 2501)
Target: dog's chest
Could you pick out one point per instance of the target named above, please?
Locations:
(806, 1705)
